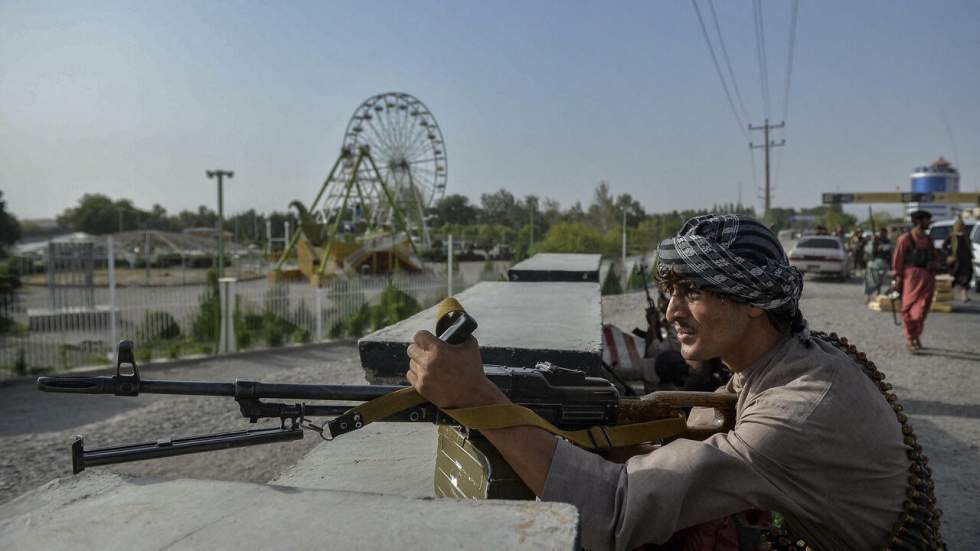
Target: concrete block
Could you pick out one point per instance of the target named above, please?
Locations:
(521, 324)
(557, 267)
(385, 458)
(97, 510)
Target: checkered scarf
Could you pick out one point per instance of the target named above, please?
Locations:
(733, 255)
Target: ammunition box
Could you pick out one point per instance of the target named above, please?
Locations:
(468, 466)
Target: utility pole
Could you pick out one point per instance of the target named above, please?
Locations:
(767, 145)
(220, 175)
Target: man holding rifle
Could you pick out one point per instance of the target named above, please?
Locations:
(914, 266)
(814, 438)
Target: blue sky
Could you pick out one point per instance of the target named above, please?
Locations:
(139, 99)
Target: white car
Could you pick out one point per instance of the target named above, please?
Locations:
(820, 254)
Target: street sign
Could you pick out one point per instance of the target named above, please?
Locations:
(941, 197)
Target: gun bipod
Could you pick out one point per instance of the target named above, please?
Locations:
(167, 447)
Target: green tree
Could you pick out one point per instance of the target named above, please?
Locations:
(635, 212)
(603, 212)
(453, 209)
(157, 219)
(98, 214)
(575, 237)
(9, 228)
(202, 218)
(837, 218)
(551, 211)
(501, 207)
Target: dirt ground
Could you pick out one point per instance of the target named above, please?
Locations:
(939, 388)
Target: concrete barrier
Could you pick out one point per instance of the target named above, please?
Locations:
(557, 267)
(521, 324)
(108, 512)
(385, 458)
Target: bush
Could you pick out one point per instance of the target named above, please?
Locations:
(275, 336)
(243, 338)
(144, 354)
(356, 323)
(9, 283)
(611, 285)
(302, 336)
(303, 315)
(395, 306)
(336, 330)
(204, 328)
(157, 325)
(173, 351)
(20, 366)
(635, 281)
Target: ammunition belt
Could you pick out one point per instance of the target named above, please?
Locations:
(918, 524)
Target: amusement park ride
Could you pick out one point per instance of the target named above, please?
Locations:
(372, 218)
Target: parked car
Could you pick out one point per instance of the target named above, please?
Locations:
(820, 254)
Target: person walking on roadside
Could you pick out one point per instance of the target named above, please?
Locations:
(959, 258)
(914, 267)
(879, 251)
(855, 245)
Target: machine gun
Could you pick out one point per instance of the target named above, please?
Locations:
(564, 399)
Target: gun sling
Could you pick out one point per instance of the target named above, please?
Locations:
(510, 415)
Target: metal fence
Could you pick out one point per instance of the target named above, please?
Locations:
(181, 321)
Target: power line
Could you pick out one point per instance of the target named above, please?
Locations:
(760, 50)
(794, 15)
(721, 77)
(728, 62)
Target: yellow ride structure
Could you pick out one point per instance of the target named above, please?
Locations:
(391, 169)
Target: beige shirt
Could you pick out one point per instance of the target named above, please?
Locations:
(814, 439)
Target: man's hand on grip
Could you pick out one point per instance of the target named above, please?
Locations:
(450, 376)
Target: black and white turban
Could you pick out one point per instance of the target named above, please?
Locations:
(733, 255)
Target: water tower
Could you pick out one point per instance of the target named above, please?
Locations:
(938, 177)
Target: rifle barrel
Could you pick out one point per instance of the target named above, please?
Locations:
(237, 389)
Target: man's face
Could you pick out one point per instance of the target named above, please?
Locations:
(708, 326)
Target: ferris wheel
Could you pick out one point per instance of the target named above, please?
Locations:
(408, 153)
